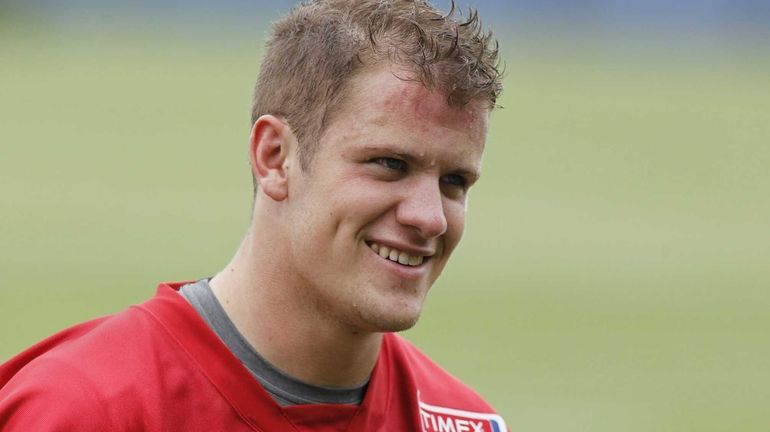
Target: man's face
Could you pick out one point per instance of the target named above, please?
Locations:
(374, 219)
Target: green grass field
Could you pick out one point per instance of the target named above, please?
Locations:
(615, 271)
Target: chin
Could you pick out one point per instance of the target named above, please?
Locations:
(393, 309)
(391, 323)
(399, 326)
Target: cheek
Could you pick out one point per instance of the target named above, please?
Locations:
(364, 198)
(344, 211)
(455, 218)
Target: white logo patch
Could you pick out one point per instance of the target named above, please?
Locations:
(440, 419)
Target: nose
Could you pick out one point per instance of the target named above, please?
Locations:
(423, 208)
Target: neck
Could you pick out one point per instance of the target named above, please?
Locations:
(268, 307)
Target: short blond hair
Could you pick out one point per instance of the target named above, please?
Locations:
(314, 51)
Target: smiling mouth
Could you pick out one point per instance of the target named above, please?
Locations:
(397, 256)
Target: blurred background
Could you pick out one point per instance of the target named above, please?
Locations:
(615, 270)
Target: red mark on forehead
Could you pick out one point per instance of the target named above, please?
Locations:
(415, 100)
(384, 96)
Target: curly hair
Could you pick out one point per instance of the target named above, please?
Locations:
(314, 51)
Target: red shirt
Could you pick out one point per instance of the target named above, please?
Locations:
(158, 367)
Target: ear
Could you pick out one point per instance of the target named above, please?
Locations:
(271, 142)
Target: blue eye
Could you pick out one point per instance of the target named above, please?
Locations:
(391, 163)
(455, 180)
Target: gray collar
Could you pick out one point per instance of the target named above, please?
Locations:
(285, 390)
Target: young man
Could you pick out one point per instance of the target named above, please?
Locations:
(369, 123)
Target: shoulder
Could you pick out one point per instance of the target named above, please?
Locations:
(52, 393)
(52, 386)
(94, 376)
(443, 402)
(431, 380)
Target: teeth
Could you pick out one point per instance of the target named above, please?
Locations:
(403, 258)
(393, 255)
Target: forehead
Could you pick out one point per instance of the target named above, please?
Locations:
(383, 92)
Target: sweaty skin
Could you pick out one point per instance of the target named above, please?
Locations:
(308, 287)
